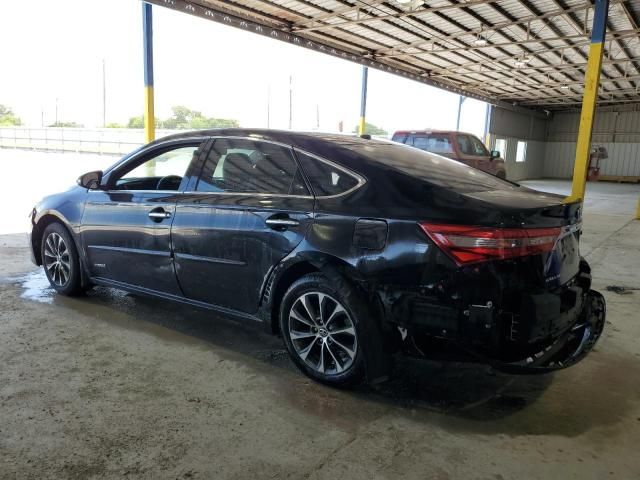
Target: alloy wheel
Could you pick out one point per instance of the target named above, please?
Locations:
(57, 260)
(322, 333)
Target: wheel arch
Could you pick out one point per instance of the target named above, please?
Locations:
(285, 274)
(39, 226)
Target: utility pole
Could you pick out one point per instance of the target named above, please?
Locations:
(268, 106)
(104, 95)
(290, 103)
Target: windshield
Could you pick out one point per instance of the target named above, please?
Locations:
(435, 169)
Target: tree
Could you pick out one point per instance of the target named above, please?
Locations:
(114, 125)
(185, 118)
(7, 117)
(136, 122)
(371, 129)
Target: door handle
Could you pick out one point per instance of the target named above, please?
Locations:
(281, 222)
(159, 214)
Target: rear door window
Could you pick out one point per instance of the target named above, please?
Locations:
(325, 178)
(247, 166)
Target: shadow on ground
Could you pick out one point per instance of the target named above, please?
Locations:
(465, 397)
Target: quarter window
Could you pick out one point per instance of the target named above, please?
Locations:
(246, 166)
(325, 178)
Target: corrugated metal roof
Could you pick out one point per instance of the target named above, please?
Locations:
(525, 53)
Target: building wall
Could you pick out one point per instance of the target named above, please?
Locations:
(514, 127)
(617, 129)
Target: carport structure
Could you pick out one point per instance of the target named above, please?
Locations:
(532, 60)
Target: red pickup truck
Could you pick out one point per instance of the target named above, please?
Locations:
(463, 147)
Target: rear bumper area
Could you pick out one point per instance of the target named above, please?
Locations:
(570, 347)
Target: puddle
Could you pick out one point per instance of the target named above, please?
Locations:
(34, 285)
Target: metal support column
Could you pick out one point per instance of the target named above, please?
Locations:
(487, 120)
(461, 100)
(147, 41)
(591, 82)
(363, 100)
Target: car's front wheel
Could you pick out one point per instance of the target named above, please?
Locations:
(60, 260)
(320, 325)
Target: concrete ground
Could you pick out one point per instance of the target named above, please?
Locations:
(113, 385)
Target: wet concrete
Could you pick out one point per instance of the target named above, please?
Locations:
(115, 385)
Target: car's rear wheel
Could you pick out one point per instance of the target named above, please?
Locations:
(60, 260)
(501, 174)
(320, 326)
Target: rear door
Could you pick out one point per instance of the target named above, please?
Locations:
(249, 208)
(126, 226)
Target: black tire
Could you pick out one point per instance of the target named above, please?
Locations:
(340, 369)
(501, 174)
(60, 260)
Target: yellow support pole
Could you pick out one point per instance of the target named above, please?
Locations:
(363, 101)
(147, 43)
(591, 83)
(149, 115)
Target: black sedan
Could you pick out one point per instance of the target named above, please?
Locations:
(352, 249)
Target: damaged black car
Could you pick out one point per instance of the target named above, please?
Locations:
(352, 249)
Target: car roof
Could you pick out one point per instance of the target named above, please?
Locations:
(284, 136)
(429, 131)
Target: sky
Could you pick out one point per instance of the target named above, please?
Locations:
(54, 51)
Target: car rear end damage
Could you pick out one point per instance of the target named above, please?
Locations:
(515, 294)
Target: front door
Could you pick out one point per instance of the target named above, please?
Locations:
(473, 152)
(126, 225)
(249, 209)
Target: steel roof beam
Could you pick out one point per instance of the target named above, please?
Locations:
(212, 13)
(495, 28)
(389, 16)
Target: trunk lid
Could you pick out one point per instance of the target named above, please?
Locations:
(533, 209)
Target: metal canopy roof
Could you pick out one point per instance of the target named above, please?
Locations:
(512, 53)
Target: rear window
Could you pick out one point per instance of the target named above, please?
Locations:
(434, 143)
(435, 169)
(399, 137)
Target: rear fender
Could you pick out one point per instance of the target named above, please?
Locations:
(348, 281)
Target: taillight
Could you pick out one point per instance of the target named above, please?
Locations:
(470, 244)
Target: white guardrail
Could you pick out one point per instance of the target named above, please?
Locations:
(110, 141)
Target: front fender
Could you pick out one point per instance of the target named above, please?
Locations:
(66, 208)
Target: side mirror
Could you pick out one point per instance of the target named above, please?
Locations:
(495, 154)
(90, 180)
